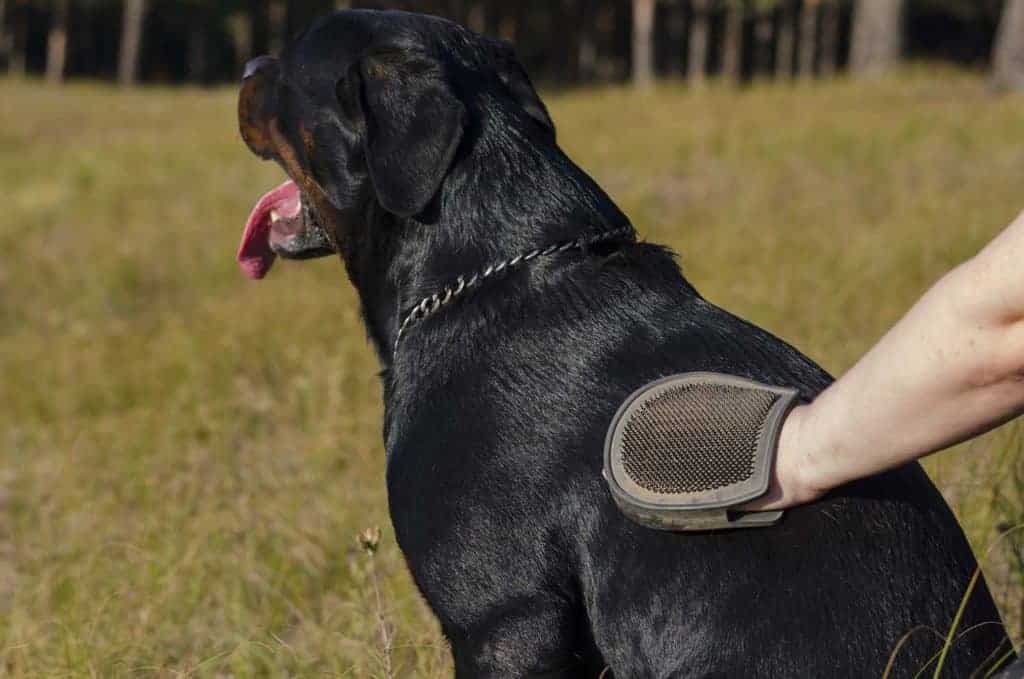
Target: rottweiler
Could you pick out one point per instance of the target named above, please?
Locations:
(513, 310)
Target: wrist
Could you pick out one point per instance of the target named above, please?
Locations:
(795, 479)
(797, 472)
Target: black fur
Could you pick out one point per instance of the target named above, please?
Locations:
(434, 157)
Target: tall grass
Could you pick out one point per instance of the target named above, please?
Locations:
(187, 457)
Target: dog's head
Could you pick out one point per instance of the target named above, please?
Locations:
(367, 112)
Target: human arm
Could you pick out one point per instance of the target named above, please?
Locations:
(951, 369)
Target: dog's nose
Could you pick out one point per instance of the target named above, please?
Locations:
(255, 66)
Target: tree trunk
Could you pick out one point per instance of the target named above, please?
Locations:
(643, 43)
(808, 38)
(240, 29)
(732, 42)
(697, 63)
(476, 17)
(277, 20)
(1008, 57)
(877, 36)
(57, 41)
(512, 23)
(132, 22)
(784, 43)
(829, 38)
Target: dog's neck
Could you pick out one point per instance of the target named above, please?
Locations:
(507, 196)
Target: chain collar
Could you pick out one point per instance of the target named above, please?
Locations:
(428, 306)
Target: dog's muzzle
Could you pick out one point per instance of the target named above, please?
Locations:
(683, 452)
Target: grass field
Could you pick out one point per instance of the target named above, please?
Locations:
(187, 456)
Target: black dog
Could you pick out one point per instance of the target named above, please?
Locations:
(419, 151)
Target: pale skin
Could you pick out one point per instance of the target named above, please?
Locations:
(950, 370)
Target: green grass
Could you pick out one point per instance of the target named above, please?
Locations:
(187, 456)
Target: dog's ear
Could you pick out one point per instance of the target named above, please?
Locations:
(515, 78)
(413, 126)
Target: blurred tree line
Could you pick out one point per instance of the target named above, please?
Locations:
(560, 41)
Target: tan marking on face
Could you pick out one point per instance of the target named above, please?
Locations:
(307, 140)
(294, 169)
(250, 103)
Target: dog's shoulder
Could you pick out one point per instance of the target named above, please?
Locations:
(579, 335)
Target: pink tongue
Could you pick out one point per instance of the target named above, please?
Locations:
(254, 254)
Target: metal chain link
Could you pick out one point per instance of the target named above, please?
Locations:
(428, 306)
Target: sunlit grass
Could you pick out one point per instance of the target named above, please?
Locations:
(188, 456)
